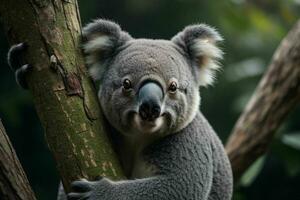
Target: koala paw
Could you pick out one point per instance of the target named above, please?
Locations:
(81, 190)
(14, 60)
(88, 190)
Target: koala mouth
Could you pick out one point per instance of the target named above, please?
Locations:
(148, 127)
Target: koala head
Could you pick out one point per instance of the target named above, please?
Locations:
(150, 86)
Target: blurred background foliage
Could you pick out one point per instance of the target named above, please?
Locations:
(252, 30)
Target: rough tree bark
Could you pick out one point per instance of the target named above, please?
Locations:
(63, 93)
(276, 95)
(13, 181)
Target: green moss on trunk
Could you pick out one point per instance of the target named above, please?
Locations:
(63, 93)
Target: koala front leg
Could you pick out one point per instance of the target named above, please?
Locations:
(14, 58)
(105, 189)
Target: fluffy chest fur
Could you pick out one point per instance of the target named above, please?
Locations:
(134, 163)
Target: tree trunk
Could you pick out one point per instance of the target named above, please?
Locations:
(63, 93)
(275, 97)
(13, 181)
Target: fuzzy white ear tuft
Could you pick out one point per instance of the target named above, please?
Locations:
(207, 56)
(200, 44)
(206, 48)
(101, 42)
(94, 49)
(101, 38)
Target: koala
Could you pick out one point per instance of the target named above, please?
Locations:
(149, 94)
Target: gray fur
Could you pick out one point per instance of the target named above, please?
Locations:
(182, 158)
(61, 195)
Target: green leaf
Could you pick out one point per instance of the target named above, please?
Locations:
(292, 140)
(250, 175)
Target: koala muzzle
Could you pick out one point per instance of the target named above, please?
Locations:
(150, 99)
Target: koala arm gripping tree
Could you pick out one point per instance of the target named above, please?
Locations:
(179, 175)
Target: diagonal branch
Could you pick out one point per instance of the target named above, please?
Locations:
(13, 181)
(276, 95)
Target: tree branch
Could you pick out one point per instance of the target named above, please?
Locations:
(275, 97)
(63, 93)
(13, 181)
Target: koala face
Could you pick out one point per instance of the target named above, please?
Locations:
(150, 86)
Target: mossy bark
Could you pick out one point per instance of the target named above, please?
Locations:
(63, 93)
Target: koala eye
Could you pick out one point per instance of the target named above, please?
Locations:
(172, 87)
(127, 84)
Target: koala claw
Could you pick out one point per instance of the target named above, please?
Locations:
(78, 196)
(91, 190)
(14, 61)
(81, 186)
(20, 75)
(81, 190)
(14, 55)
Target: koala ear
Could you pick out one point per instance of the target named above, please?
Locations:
(200, 43)
(100, 40)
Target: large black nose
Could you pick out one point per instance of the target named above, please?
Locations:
(149, 111)
(150, 98)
